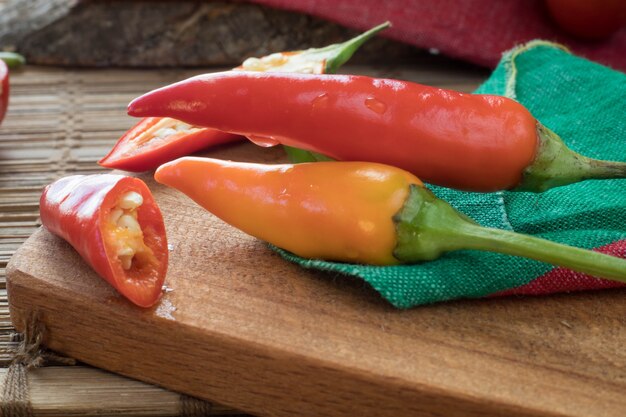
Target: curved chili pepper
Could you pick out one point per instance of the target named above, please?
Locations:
(7, 60)
(464, 141)
(356, 212)
(114, 223)
(156, 140)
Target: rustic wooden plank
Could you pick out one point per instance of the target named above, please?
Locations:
(63, 391)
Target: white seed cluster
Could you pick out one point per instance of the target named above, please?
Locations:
(172, 130)
(263, 64)
(124, 216)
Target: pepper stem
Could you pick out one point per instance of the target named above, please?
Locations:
(427, 227)
(297, 155)
(12, 59)
(556, 165)
(338, 54)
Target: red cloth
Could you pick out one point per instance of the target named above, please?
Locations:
(474, 30)
(561, 279)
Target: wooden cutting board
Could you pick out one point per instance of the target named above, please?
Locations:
(247, 329)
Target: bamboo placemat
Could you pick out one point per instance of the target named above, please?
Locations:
(60, 122)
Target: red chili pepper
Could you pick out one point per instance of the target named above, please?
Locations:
(114, 223)
(4, 89)
(154, 141)
(7, 60)
(464, 141)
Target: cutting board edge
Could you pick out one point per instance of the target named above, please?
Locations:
(429, 399)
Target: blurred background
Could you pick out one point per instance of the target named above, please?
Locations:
(201, 33)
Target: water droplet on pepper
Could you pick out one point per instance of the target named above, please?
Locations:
(263, 141)
(375, 105)
(320, 101)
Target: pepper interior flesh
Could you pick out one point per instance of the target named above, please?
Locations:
(124, 233)
(164, 130)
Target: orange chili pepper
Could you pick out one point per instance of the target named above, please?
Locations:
(315, 221)
(356, 212)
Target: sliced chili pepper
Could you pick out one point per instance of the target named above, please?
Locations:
(464, 141)
(114, 223)
(7, 60)
(356, 212)
(156, 140)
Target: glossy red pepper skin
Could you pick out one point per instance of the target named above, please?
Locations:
(135, 154)
(4, 89)
(75, 208)
(464, 141)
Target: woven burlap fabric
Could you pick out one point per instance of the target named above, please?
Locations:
(584, 103)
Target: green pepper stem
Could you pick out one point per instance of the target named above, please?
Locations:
(556, 165)
(297, 155)
(339, 54)
(12, 59)
(577, 259)
(427, 227)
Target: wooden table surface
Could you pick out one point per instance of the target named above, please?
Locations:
(549, 356)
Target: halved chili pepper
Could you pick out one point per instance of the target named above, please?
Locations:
(156, 140)
(114, 223)
(7, 60)
(464, 141)
(358, 212)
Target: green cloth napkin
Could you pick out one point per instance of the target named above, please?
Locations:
(584, 103)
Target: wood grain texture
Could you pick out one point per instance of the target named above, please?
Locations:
(267, 337)
(64, 391)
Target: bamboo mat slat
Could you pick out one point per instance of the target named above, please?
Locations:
(60, 122)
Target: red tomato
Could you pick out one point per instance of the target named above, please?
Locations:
(156, 140)
(588, 19)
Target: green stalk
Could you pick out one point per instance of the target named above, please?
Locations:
(333, 57)
(556, 165)
(298, 155)
(427, 227)
(12, 59)
(338, 54)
